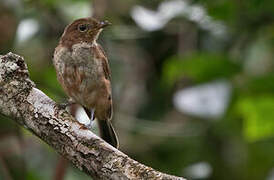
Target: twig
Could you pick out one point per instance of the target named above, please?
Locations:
(60, 170)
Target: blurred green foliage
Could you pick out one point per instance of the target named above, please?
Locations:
(200, 68)
(258, 113)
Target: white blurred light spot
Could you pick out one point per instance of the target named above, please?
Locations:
(154, 20)
(208, 100)
(147, 19)
(171, 9)
(197, 13)
(199, 170)
(75, 10)
(26, 29)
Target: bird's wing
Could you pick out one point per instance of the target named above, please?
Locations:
(104, 62)
(107, 73)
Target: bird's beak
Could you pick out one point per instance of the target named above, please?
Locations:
(104, 24)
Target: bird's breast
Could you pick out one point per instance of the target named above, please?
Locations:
(79, 72)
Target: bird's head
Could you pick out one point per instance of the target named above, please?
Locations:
(82, 30)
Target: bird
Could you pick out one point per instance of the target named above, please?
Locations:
(83, 71)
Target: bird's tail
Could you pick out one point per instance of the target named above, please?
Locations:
(107, 132)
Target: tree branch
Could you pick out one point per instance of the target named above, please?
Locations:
(31, 108)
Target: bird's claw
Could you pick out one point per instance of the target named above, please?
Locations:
(92, 117)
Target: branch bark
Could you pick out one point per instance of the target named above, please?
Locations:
(31, 108)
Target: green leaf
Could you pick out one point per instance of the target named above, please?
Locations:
(199, 67)
(224, 10)
(258, 114)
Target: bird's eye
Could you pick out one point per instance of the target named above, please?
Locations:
(82, 27)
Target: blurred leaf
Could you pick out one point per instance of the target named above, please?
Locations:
(262, 84)
(46, 81)
(224, 11)
(51, 3)
(199, 67)
(258, 113)
(31, 175)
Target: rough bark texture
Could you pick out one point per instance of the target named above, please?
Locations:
(35, 111)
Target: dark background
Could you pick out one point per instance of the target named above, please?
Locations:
(193, 84)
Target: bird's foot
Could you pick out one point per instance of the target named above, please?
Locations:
(92, 117)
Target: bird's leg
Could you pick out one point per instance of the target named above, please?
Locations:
(92, 117)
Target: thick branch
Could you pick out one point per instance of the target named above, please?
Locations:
(35, 111)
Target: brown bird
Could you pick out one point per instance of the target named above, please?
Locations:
(83, 71)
